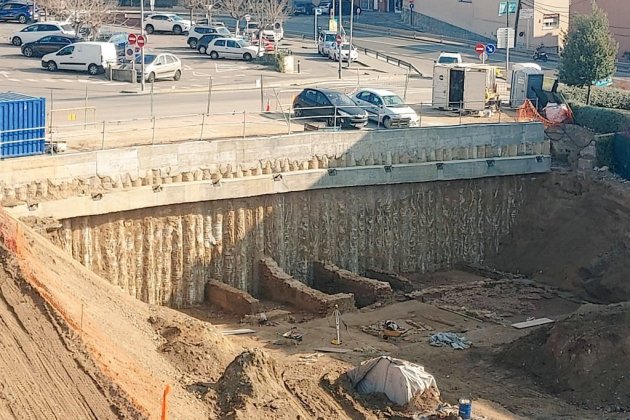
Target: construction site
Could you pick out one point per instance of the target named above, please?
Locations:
(343, 276)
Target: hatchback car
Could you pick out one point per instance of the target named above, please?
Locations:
(336, 108)
(159, 66)
(18, 11)
(47, 44)
(204, 41)
(386, 108)
(449, 58)
(167, 22)
(233, 48)
(197, 31)
(36, 31)
(347, 53)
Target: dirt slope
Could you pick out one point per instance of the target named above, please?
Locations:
(112, 327)
(44, 373)
(573, 233)
(583, 358)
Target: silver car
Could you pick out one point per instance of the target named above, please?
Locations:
(386, 108)
(159, 66)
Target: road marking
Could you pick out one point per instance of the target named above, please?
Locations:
(31, 80)
(13, 80)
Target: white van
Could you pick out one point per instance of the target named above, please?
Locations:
(93, 57)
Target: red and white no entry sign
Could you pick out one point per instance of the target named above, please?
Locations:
(338, 39)
(140, 41)
(131, 39)
(479, 48)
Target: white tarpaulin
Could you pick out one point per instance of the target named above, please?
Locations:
(398, 379)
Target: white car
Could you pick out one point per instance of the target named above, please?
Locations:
(233, 48)
(159, 66)
(275, 34)
(167, 22)
(386, 108)
(347, 53)
(93, 57)
(449, 58)
(34, 32)
(197, 31)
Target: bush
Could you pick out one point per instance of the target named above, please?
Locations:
(607, 97)
(601, 120)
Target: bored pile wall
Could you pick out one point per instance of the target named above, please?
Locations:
(165, 255)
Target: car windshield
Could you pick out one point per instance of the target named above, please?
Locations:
(148, 59)
(330, 37)
(176, 17)
(448, 60)
(339, 99)
(345, 47)
(241, 43)
(393, 100)
(67, 28)
(222, 31)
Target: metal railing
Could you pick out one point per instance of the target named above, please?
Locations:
(98, 135)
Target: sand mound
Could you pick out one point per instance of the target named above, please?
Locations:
(572, 234)
(252, 387)
(45, 370)
(583, 358)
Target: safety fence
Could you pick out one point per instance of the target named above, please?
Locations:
(94, 135)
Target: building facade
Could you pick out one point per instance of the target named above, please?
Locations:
(619, 17)
(538, 20)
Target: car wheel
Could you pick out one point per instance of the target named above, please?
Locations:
(22, 19)
(17, 41)
(247, 56)
(214, 55)
(28, 52)
(178, 75)
(387, 122)
(149, 29)
(93, 69)
(202, 50)
(193, 44)
(51, 66)
(177, 30)
(330, 121)
(297, 111)
(151, 77)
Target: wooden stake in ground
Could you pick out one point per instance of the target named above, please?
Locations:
(337, 314)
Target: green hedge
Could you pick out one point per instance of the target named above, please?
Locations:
(601, 120)
(607, 97)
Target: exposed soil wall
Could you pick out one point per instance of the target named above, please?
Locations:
(164, 255)
(573, 234)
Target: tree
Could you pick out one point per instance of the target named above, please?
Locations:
(237, 9)
(85, 16)
(589, 51)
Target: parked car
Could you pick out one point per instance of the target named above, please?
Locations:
(233, 48)
(336, 108)
(167, 22)
(267, 45)
(197, 31)
(18, 11)
(325, 6)
(92, 57)
(386, 108)
(274, 34)
(202, 44)
(209, 22)
(36, 31)
(47, 44)
(159, 66)
(347, 53)
(303, 8)
(449, 58)
(325, 41)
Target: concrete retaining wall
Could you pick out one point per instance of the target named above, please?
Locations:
(47, 177)
(396, 281)
(281, 287)
(330, 279)
(231, 299)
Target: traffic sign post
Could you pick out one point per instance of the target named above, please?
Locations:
(140, 41)
(338, 39)
(316, 12)
(490, 49)
(480, 49)
(411, 7)
(131, 39)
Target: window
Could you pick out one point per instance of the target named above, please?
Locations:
(33, 28)
(232, 44)
(551, 21)
(220, 43)
(364, 96)
(46, 39)
(66, 51)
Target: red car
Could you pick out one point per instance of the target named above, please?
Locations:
(266, 44)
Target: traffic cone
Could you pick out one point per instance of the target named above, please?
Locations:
(267, 108)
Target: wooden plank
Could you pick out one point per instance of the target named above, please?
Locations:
(532, 323)
(238, 332)
(332, 350)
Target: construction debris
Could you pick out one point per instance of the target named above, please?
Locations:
(238, 332)
(444, 339)
(532, 323)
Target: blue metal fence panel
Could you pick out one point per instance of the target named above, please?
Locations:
(22, 125)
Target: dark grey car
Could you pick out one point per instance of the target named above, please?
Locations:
(336, 108)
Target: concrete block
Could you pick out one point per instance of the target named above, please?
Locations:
(231, 299)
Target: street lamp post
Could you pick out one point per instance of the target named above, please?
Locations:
(142, 49)
(340, 35)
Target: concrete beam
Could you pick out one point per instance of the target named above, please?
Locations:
(230, 188)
